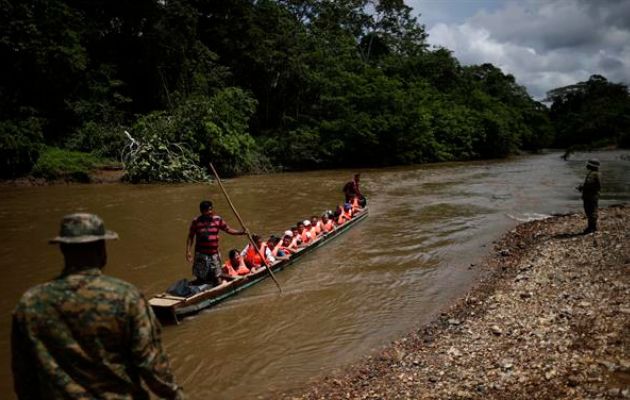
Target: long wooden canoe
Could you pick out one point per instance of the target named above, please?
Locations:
(169, 309)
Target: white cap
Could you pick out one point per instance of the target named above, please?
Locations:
(288, 233)
(307, 222)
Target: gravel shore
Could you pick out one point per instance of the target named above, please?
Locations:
(550, 320)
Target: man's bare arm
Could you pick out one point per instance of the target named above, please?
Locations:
(233, 231)
(189, 243)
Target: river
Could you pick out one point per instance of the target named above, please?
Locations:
(386, 276)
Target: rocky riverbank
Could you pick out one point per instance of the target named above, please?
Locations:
(551, 320)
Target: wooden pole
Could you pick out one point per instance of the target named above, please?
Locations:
(240, 220)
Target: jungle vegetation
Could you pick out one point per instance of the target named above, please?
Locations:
(256, 85)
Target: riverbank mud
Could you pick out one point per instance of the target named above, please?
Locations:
(98, 176)
(550, 320)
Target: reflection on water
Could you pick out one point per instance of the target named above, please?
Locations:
(385, 276)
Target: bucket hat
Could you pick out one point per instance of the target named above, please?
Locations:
(592, 163)
(82, 228)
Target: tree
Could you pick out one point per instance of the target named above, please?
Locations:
(595, 112)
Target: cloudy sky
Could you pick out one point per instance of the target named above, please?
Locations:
(543, 43)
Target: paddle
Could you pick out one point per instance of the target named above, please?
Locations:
(249, 235)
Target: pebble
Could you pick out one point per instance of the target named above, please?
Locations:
(521, 277)
(608, 364)
(566, 341)
(615, 392)
(454, 352)
(573, 380)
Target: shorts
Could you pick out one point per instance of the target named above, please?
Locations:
(207, 268)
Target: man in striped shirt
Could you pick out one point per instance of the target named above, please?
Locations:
(204, 230)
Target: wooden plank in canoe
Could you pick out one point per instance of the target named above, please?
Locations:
(163, 302)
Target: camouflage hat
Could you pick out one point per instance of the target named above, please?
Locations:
(593, 163)
(82, 228)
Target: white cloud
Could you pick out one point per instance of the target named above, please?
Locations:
(544, 44)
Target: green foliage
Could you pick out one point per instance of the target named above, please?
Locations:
(247, 84)
(55, 163)
(156, 157)
(178, 146)
(595, 111)
(20, 145)
(101, 140)
(216, 129)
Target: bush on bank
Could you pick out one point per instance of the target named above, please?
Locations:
(20, 145)
(156, 156)
(178, 146)
(55, 163)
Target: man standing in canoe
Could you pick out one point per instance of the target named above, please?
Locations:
(204, 230)
(84, 334)
(351, 190)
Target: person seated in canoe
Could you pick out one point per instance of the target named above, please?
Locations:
(275, 244)
(254, 256)
(316, 225)
(356, 205)
(308, 226)
(234, 266)
(349, 210)
(327, 224)
(289, 245)
(297, 239)
(303, 232)
(342, 215)
(351, 191)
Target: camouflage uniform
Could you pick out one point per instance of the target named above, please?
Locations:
(590, 195)
(86, 335)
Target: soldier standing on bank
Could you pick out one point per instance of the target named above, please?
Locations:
(85, 334)
(590, 194)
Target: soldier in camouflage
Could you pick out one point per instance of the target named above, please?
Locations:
(590, 194)
(86, 335)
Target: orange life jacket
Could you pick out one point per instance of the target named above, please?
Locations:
(313, 232)
(252, 256)
(242, 269)
(328, 226)
(230, 270)
(355, 203)
(341, 218)
(294, 242)
(305, 237)
(318, 227)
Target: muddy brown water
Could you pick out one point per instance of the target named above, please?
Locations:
(387, 275)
